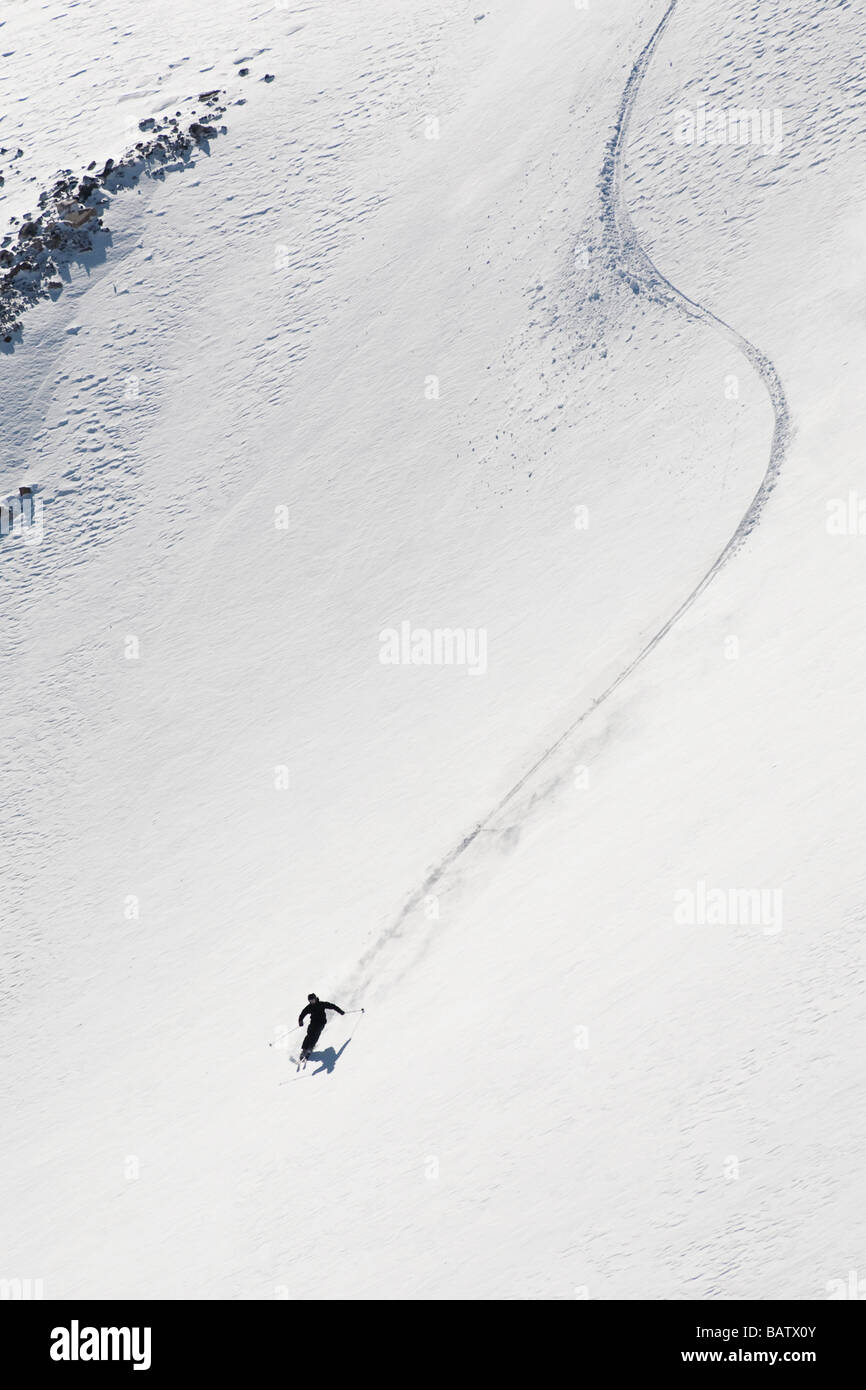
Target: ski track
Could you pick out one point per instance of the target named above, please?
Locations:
(624, 246)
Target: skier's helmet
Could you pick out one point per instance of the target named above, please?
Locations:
(312, 998)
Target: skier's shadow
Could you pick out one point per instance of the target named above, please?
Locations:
(329, 1058)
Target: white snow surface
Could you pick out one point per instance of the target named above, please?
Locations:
(215, 796)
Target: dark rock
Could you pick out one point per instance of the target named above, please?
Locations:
(243, 72)
(69, 214)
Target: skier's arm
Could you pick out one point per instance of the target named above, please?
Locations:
(303, 1016)
(334, 1006)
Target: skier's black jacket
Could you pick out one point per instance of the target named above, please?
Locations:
(318, 1017)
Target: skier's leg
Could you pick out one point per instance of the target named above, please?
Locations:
(310, 1041)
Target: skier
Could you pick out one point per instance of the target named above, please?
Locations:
(318, 1018)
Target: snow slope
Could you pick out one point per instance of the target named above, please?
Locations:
(217, 796)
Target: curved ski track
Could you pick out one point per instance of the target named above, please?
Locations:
(622, 243)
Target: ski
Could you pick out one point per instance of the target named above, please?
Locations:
(300, 1071)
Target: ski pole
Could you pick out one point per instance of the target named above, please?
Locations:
(277, 1041)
